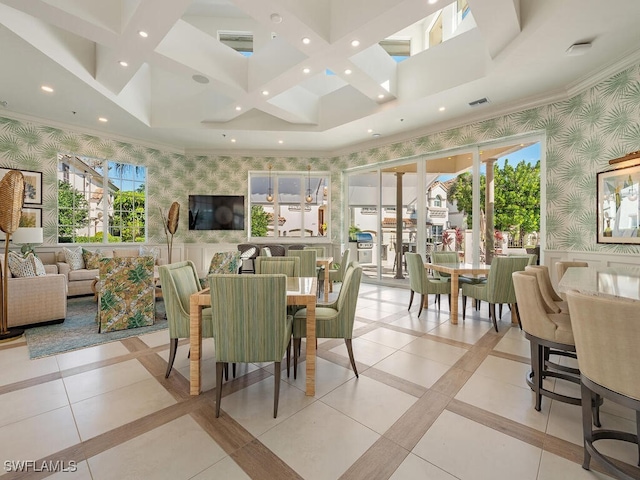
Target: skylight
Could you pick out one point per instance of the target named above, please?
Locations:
(241, 42)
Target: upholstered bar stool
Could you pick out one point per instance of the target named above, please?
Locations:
(548, 333)
(606, 333)
(551, 298)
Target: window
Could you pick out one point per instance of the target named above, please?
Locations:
(85, 213)
(286, 204)
(437, 202)
(241, 42)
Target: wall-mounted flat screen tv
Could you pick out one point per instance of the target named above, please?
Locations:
(216, 212)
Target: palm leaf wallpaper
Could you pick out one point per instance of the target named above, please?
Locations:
(582, 134)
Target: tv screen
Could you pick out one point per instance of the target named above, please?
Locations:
(216, 212)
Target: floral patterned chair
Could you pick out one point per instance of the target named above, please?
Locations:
(126, 298)
(223, 262)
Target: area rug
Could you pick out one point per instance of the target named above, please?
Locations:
(79, 330)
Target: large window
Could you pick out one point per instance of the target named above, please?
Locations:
(289, 204)
(100, 201)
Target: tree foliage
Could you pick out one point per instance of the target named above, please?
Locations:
(516, 194)
(73, 210)
(128, 220)
(259, 221)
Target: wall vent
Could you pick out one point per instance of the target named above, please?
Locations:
(480, 101)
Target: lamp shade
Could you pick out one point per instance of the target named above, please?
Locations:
(25, 235)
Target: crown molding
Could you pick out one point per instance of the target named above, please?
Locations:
(627, 60)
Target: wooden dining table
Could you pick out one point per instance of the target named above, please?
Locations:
(300, 291)
(612, 282)
(455, 270)
(325, 262)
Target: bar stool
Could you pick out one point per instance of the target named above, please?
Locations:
(606, 333)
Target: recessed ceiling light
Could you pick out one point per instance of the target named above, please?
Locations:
(431, 2)
(233, 140)
(442, 109)
(306, 40)
(103, 119)
(355, 43)
(46, 89)
(370, 130)
(381, 96)
(306, 70)
(280, 142)
(238, 108)
(276, 18)
(265, 92)
(123, 63)
(375, 135)
(347, 72)
(143, 34)
(200, 78)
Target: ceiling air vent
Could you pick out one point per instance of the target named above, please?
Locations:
(480, 101)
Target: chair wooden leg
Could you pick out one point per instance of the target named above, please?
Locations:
(288, 357)
(411, 300)
(536, 371)
(219, 369)
(173, 348)
(422, 300)
(464, 306)
(226, 372)
(449, 301)
(233, 369)
(500, 310)
(438, 301)
(347, 342)
(296, 351)
(276, 390)
(492, 314)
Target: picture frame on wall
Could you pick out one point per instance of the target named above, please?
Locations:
(32, 185)
(31, 217)
(618, 196)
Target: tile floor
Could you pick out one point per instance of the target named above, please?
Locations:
(433, 400)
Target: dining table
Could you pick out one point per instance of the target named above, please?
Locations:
(325, 262)
(300, 291)
(455, 270)
(610, 281)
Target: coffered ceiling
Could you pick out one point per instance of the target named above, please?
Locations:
(184, 88)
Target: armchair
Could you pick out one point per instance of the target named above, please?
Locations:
(422, 284)
(334, 320)
(179, 282)
(126, 298)
(250, 323)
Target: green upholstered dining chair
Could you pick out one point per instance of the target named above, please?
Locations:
(452, 257)
(337, 274)
(250, 323)
(179, 282)
(334, 320)
(499, 286)
(420, 282)
(289, 266)
(307, 261)
(320, 251)
(126, 297)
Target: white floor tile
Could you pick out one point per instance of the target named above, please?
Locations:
(319, 442)
(105, 412)
(553, 467)
(416, 369)
(90, 355)
(415, 467)
(434, 350)
(469, 450)
(370, 402)
(389, 338)
(225, 469)
(190, 449)
(28, 402)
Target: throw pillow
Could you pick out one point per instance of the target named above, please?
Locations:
(38, 267)
(150, 251)
(21, 266)
(74, 258)
(91, 259)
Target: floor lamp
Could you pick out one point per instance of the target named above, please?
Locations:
(11, 200)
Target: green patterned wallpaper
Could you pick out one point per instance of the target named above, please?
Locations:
(582, 134)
